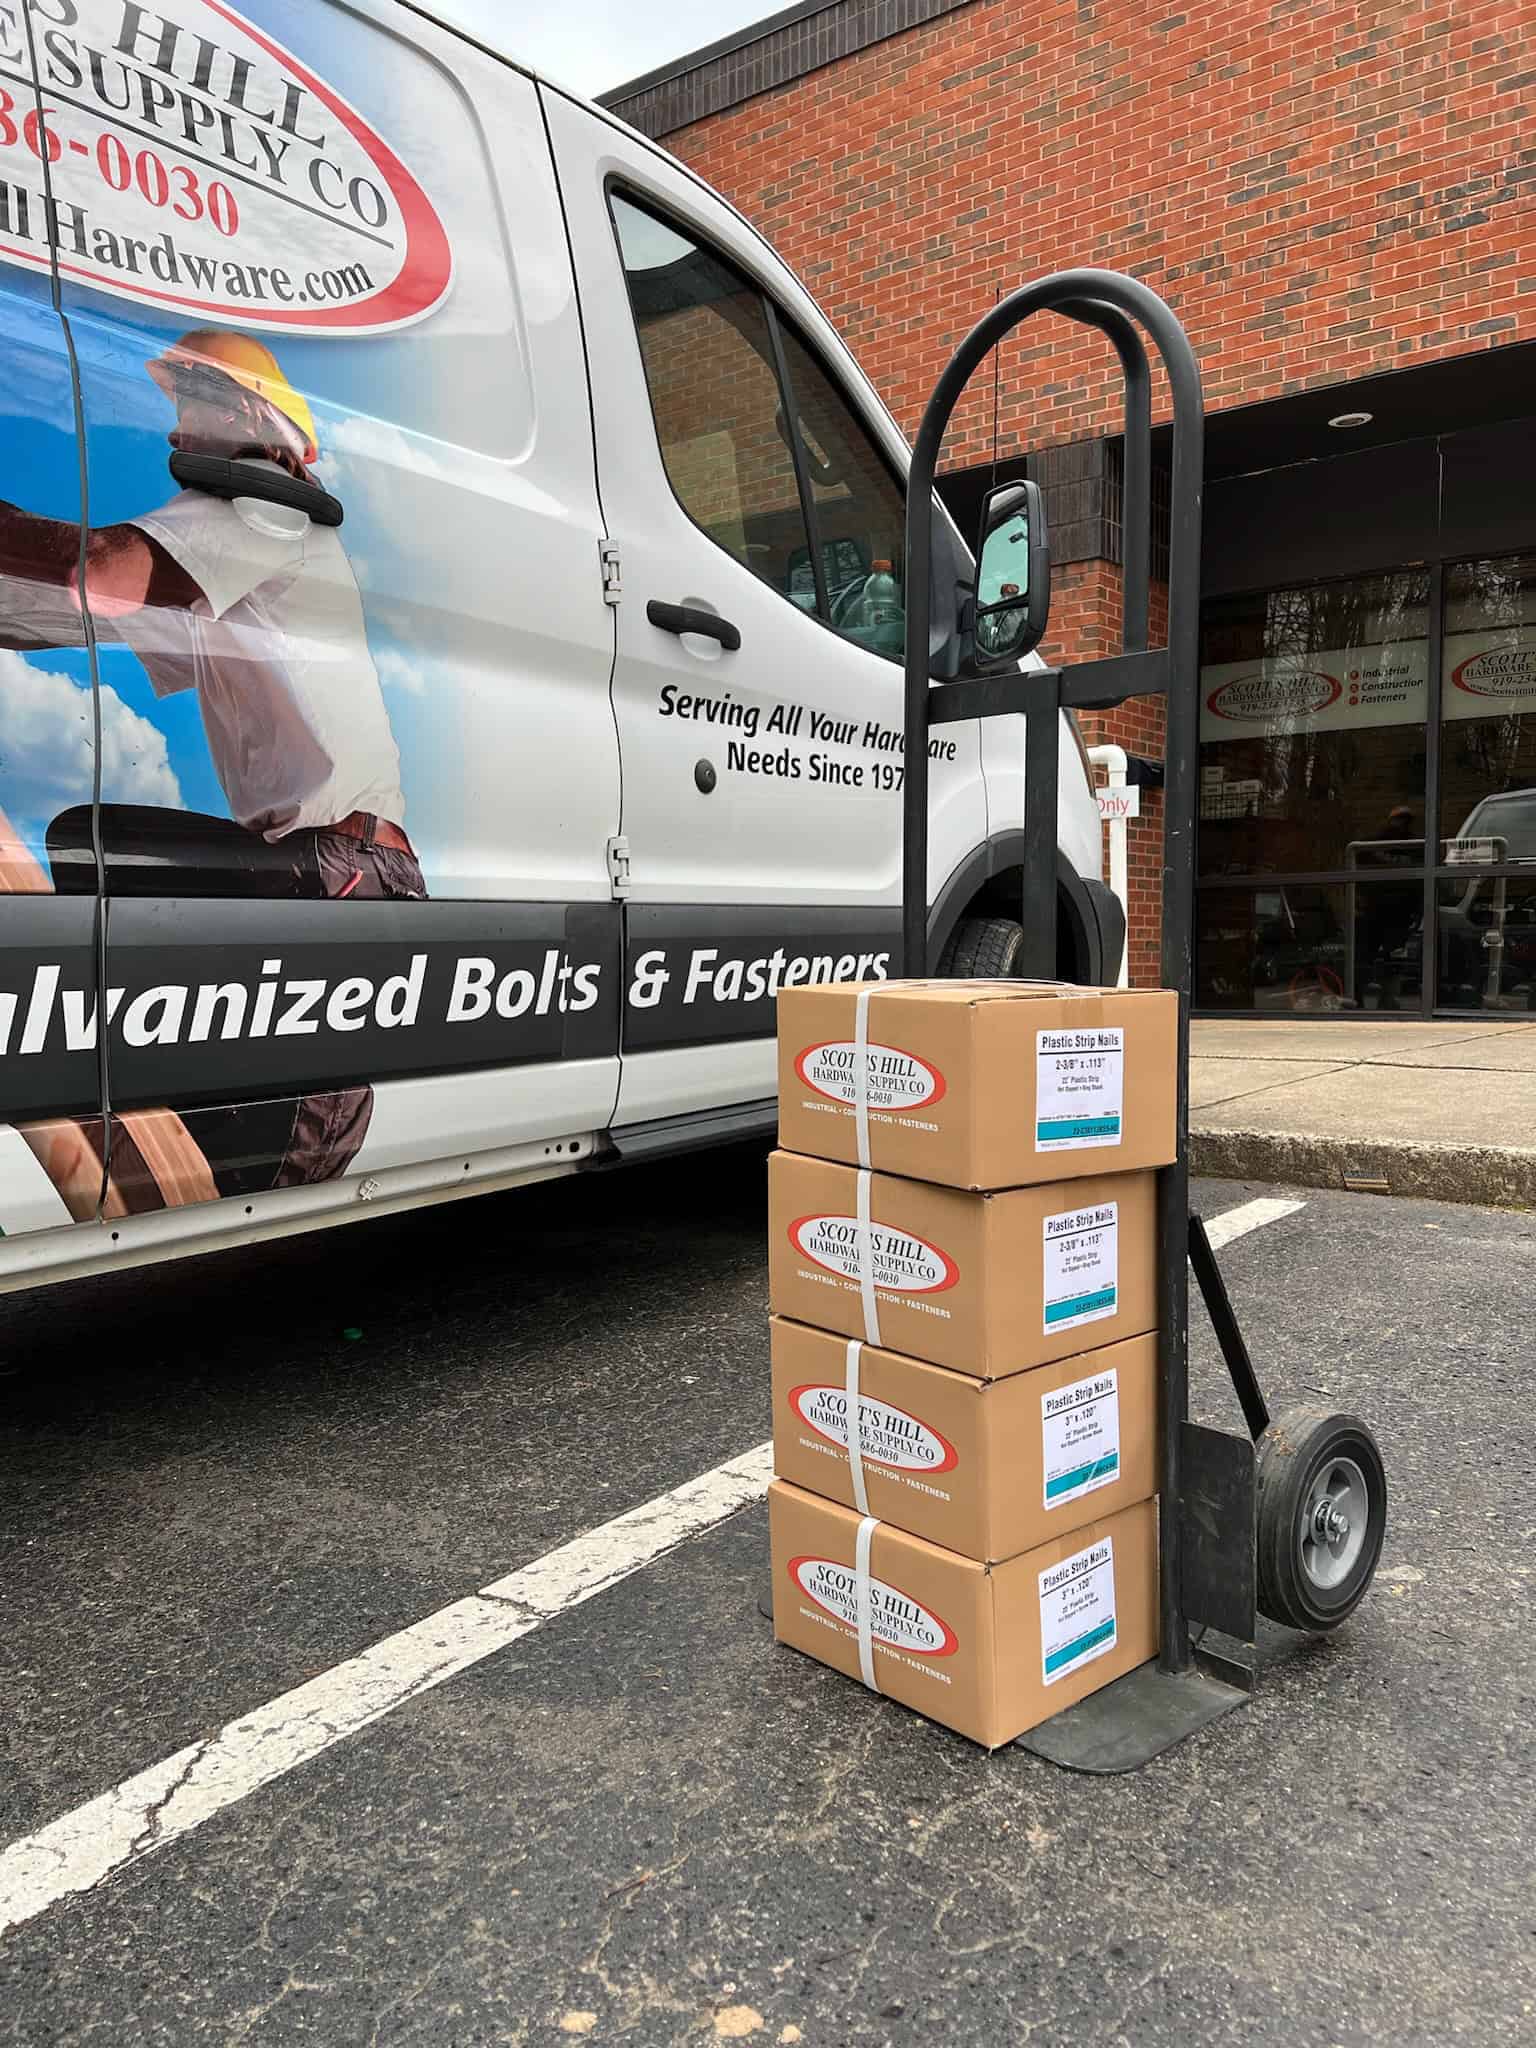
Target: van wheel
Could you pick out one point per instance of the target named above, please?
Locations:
(983, 949)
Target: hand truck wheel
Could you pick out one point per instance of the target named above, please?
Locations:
(1322, 1515)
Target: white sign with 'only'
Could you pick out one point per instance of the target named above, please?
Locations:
(1118, 803)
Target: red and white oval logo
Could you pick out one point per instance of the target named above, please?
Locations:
(895, 1079)
(894, 1617)
(887, 1435)
(197, 165)
(1498, 672)
(1249, 700)
(899, 1263)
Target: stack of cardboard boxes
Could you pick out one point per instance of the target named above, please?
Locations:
(963, 1277)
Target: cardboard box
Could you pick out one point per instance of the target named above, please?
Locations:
(990, 1650)
(986, 1284)
(987, 1468)
(982, 1084)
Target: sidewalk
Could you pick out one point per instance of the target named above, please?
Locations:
(1446, 1111)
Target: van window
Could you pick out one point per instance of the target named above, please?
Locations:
(860, 511)
(712, 343)
(715, 393)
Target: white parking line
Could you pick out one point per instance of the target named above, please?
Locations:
(155, 1807)
(1248, 1216)
(169, 1799)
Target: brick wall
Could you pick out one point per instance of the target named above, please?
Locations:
(1321, 188)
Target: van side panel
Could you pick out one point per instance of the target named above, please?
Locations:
(359, 765)
(51, 725)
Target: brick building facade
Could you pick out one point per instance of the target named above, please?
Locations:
(1337, 201)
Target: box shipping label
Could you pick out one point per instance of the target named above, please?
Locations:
(1080, 1438)
(1077, 1610)
(1082, 1266)
(1079, 1089)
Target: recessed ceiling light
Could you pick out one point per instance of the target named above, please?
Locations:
(1352, 419)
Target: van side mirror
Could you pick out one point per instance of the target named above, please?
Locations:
(1013, 573)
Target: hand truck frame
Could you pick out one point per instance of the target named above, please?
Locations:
(1289, 1519)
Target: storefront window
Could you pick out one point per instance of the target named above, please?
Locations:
(1487, 944)
(1312, 727)
(1488, 743)
(1297, 946)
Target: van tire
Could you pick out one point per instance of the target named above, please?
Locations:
(983, 949)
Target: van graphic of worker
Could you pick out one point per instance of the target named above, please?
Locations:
(256, 608)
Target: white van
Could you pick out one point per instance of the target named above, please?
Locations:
(450, 635)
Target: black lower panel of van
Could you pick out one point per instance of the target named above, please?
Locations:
(738, 1124)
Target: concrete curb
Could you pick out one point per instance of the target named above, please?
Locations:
(1499, 1177)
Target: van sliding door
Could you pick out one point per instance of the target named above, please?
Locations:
(346, 581)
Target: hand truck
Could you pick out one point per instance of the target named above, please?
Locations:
(1287, 1521)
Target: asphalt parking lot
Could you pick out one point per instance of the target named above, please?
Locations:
(641, 1822)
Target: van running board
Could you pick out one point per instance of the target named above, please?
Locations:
(737, 1123)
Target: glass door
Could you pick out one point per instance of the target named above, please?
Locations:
(1486, 890)
(1313, 709)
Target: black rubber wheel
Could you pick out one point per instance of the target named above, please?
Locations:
(1322, 1515)
(982, 949)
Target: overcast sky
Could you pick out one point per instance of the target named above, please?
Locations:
(594, 44)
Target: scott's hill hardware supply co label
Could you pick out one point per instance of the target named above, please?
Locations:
(897, 1261)
(895, 1618)
(194, 163)
(895, 1080)
(887, 1435)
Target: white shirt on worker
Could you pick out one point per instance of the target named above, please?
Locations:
(277, 651)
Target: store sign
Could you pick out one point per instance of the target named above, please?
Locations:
(1487, 675)
(1489, 679)
(1333, 691)
(1268, 695)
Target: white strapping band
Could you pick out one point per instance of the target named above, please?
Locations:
(867, 1262)
(863, 1607)
(861, 1072)
(855, 1446)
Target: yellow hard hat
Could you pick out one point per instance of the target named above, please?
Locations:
(245, 362)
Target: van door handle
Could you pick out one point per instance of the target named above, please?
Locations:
(223, 478)
(687, 618)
